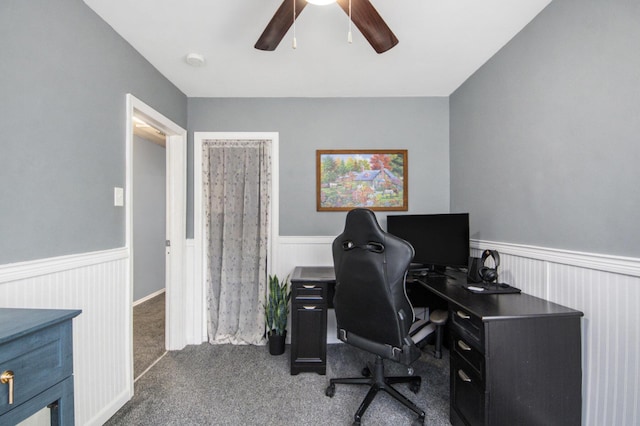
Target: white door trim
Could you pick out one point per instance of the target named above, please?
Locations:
(175, 337)
(199, 301)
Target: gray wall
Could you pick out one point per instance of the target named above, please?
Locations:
(545, 136)
(149, 217)
(64, 74)
(420, 125)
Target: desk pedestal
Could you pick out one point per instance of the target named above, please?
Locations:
(515, 358)
(309, 302)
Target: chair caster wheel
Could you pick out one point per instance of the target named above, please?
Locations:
(366, 372)
(419, 421)
(330, 391)
(414, 387)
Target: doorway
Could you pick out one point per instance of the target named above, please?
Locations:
(200, 251)
(148, 244)
(174, 208)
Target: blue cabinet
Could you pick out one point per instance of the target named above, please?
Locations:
(36, 364)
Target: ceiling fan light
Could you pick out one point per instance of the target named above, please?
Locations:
(321, 2)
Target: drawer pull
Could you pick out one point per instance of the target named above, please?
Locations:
(464, 376)
(308, 286)
(462, 345)
(309, 308)
(7, 377)
(463, 315)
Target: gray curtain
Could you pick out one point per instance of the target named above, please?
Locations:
(237, 181)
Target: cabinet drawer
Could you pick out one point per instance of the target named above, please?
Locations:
(467, 393)
(38, 360)
(467, 325)
(473, 358)
(312, 292)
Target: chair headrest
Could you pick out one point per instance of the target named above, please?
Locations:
(361, 227)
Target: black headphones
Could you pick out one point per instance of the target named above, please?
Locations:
(487, 274)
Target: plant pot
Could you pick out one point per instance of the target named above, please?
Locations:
(276, 343)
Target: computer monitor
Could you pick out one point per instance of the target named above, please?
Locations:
(439, 240)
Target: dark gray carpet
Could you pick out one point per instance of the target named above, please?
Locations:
(244, 385)
(148, 333)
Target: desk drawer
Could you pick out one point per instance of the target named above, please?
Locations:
(467, 394)
(38, 360)
(469, 355)
(310, 292)
(468, 326)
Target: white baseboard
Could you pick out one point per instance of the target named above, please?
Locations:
(108, 411)
(149, 297)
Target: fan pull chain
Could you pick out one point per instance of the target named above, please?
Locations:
(349, 36)
(295, 43)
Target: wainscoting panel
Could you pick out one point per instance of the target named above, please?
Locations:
(611, 339)
(97, 283)
(302, 251)
(195, 302)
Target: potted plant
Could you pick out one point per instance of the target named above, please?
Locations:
(276, 310)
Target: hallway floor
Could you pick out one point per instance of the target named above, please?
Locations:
(148, 333)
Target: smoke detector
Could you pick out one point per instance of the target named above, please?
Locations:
(195, 59)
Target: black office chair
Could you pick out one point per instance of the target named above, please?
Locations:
(371, 306)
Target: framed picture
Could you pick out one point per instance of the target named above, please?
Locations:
(374, 179)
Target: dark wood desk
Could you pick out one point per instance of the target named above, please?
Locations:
(515, 359)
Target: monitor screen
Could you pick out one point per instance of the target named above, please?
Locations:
(439, 240)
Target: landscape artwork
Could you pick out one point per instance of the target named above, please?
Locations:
(374, 179)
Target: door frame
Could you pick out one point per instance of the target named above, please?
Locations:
(176, 210)
(200, 252)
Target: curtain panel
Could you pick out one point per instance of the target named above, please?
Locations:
(236, 185)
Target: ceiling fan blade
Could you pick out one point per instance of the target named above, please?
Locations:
(279, 25)
(370, 24)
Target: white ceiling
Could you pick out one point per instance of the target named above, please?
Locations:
(442, 42)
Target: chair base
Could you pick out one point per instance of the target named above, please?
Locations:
(378, 382)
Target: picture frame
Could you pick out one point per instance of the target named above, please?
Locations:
(375, 179)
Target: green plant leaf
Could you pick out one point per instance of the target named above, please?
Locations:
(276, 306)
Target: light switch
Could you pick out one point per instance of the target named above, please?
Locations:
(118, 196)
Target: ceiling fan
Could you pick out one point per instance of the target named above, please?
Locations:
(363, 15)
